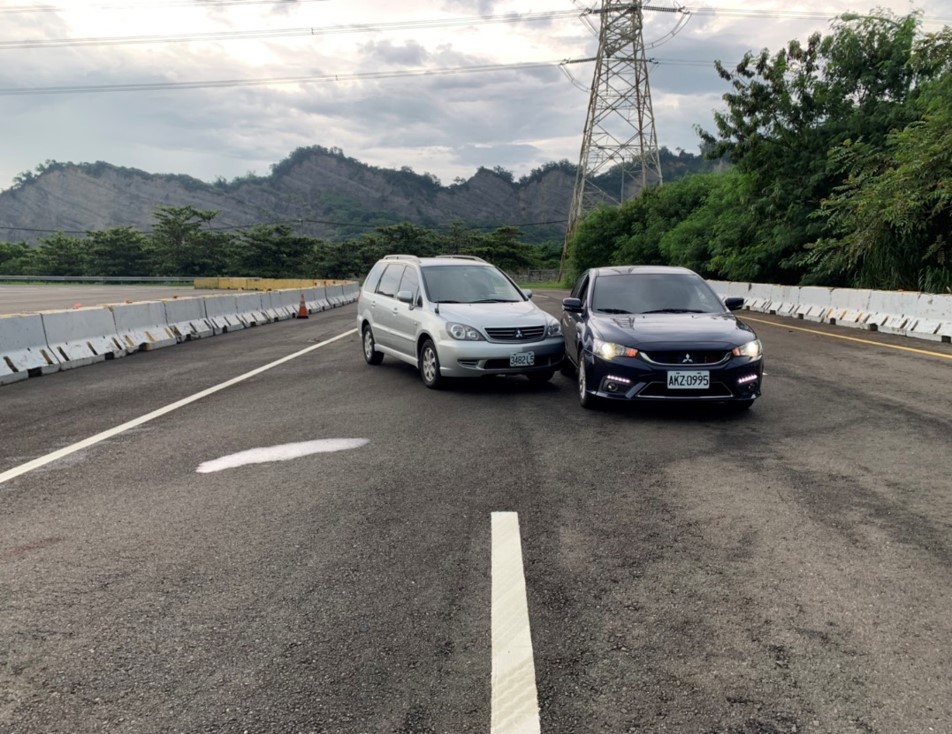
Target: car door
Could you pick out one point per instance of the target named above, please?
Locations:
(385, 305)
(573, 323)
(406, 316)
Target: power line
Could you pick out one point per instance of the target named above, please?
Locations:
(222, 83)
(141, 6)
(289, 32)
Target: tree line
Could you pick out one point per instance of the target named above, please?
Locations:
(840, 170)
(185, 243)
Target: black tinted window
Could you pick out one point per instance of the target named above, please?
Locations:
(654, 292)
(409, 282)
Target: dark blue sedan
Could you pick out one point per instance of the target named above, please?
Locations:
(658, 333)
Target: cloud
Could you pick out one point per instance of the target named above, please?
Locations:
(368, 96)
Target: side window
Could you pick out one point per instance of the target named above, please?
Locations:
(391, 277)
(410, 281)
(373, 277)
(581, 287)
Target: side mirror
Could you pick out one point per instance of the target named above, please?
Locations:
(572, 305)
(405, 297)
(734, 303)
(527, 293)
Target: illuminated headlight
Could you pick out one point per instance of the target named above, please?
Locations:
(752, 349)
(464, 333)
(610, 350)
(554, 329)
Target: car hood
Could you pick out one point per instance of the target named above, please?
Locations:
(671, 330)
(519, 313)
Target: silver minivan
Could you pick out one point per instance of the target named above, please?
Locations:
(455, 316)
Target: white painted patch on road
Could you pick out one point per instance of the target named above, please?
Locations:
(284, 452)
(515, 701)
(136, 422)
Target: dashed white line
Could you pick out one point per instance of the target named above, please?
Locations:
(99, 437)
(515, 701)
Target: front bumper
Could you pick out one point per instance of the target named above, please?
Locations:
(738, 380)
(478, 358)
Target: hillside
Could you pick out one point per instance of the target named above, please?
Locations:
(322, 192)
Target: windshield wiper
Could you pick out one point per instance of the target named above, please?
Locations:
(612, 310)
(495, 300)
(675, 310)
(449, 301)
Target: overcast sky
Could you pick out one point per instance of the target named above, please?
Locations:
(347, 74)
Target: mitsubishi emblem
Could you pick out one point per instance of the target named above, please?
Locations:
(519, 334)
(687, 359)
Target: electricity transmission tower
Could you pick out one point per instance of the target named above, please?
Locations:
(620, 143)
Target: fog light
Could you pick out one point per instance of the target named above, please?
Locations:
(614, 384)
(747, 378)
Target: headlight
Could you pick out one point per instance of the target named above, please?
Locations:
(751, 349)
(610, 350)
(554, 329)
(464, 332)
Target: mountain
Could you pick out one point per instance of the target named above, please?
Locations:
(320, 191)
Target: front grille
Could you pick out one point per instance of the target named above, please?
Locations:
(717, 391)
(516, 334)
(541, 360)
(687, 356)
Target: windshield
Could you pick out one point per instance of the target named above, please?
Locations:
(468, 284)
(639, 293)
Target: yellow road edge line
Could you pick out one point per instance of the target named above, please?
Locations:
(851, 338)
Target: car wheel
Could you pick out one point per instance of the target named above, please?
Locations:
(370, 347)
(430, 366)
(585, 399)
(540, 377)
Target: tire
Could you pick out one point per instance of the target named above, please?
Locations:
(540, 378)
(585, 399)
(429, 362)
(370, 347)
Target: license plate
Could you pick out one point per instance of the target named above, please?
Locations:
(689, 380)
(522, 359)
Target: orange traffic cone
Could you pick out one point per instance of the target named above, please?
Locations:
(302, 309)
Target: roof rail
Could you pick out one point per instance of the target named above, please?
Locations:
(462, 257)
(411, 258)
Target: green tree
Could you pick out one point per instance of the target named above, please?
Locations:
(16, 258)
(891, 221)
(60, 254)
(787, 111)
(271, 251)
(182, 245)
(120, 251)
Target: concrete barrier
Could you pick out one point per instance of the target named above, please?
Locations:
(186, 318)
(814, 303)
(222, 312)
(143, 325)
(250, 309)
(318, 299)
(285, 303)
(335, 294)
(920, 315)
(82, 336)
(23, 348)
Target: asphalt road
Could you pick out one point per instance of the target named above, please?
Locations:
(23, 298)
(687, 570)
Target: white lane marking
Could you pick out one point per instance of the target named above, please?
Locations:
(283, 452)
(515, 702)
(134, 423)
